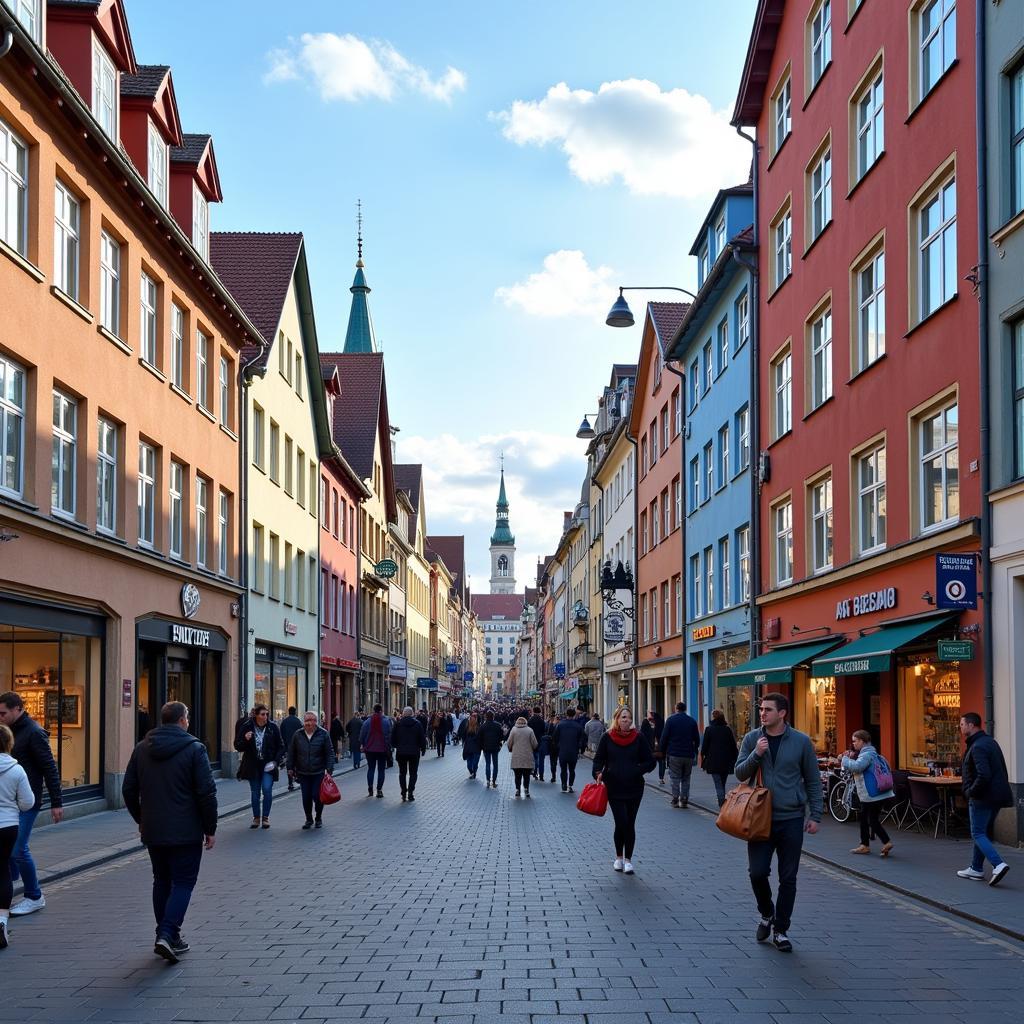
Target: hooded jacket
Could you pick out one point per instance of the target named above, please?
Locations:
(169, 788)
(522, 742)
(408, 737)
(32, 751)
(15, 792)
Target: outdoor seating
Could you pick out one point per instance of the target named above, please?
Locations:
(899, 809)
(925, 805)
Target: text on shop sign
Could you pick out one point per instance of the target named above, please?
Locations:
(190, 636)
(851, 668)
(862, 604)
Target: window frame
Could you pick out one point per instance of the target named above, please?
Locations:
(147, 484)
(743, 560)
(149, 306)
(782, 391)
(223, 530)
(175, 491)
(158, 163)
(821, 516)
(224, 390)
(725, 567)
(782, 110)
(178, 328)
(67, 240)
(871, 495)
(743, 438)
(202, 521)
(110, 283)
(14, 178)
(710, 606)
(818, 38)
(64, 454)
(203, 370)
(936, 410)
(742, 319)
(781, 235)
(868, 307)
(708, 459)
(937, 239)
(1017, 396)
(103, 67)
(921, 43)
(782, 538)
(1016, 104)
(724, 465)
(820, 371)
(106, 474)
(867, 121)
(818, 189)
(200, 223)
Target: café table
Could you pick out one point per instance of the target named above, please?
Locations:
(948, 786)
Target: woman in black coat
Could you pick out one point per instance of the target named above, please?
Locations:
(261, 746)
(622, 760)
(718, 752)
(469, 734)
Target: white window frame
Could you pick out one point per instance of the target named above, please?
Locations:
(202, 521)
(870, 326)
(782, 113)
(177, 346)
(697, 586)
(13, 190)
(937, 244)
(159, 163)
(821, 193)
(258, 424)
(724, 466)
(202, 370)
(679, 500)
(176, 524)
(64, 460)
(223, 519)
(723, 560)
(871, 509)
(870, 124)
(942, 33)
(941, 451)
(782, 388)
(110, 283)
(782, 247)
(275, 452)
(709, 580)
(719, 236)
(200, 223)
(821, 358)
(709, 366)
(742, 320)
(27, 12)
(147, 495)
(106, 476)
(782, 530)
(822, 537)
(67, 219)
(694, 483)
(104, 90)
(743, 432)
(723, 344)
(743, 552)
(258, 559)
(821, 41)
(709, 471)
(148, 303)
(224, 384)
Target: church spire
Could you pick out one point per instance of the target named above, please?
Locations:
(502, 534)
(360, 337)
(503, 545)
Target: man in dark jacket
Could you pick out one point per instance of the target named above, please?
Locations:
(410, 743)
(571, 741)
(170, 791)
(680, 741)
(310, 757)
(337, 732)
(538, 725)
(987, 788)
(289, 726)
(32, 751)
(492, 739)
(354, 726)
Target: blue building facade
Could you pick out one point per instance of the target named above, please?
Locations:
(713, 344)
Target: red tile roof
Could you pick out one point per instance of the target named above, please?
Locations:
(357, 410)
(493, 606)
(667, 317)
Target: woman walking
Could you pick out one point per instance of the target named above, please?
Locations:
(491, 740)
(622, 760)
(861, 762)
(469, 735)
(310, 757)
(375, 739)
(553, 721)
(522, 742)
(718, 752)
(16, 796)
(261, 746)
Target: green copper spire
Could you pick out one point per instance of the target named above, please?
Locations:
(502, 534)
(360, 337)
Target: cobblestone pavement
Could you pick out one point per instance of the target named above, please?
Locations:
(470, 907)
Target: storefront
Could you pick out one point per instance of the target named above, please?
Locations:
(736, 702)
(338, 682)
(53, 658)
(280, 679)
(659, 686)
(398, 668)
(181, 661)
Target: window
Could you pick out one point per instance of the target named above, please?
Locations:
(821, 193)
(654, 520)
(1016, 141)
(334, 506)
(28, 14)
(147, 318)
(110, 284)
(257, 437)
(742, 321)
(104, 90)
(177, 485)
(223, 518)
(870, 321)
(677, 487)
(258, 563)
(1018, 399)
(13, 190)
(870, 482)
(643, 456)
(743, 433)
(940, 467)
(289, 465)
(821, 524)
(311, 597)
(644, 534)
(821, 40)
(703, 264)
(936, 217)
(723, 561)
(275, 452)
(782, 113)
(300, 478)
(782, 524)
(224, 379)
(274, 567)
(200, 223)
(664, 429)
(645, 622)
(696, 587)
(289, 362)
(782, 246)
(298, 374)
(723, 455)
(677, 586)
(937, 42)
(147, 495)
(694, 384)
(870, 125)
(677, 413)
(202, 521)
(743, 549)
(709, 580)
(202, 370)
(719, 236)
(694, 483)
(709, 470)
(67, 216)
(709, 367)
(723, 344)
(654, 441)
(666, 513)
(666, 610)
(177, 347)
(65, 444)
(821, 359)
(106, 476)
(312, 487)
(158, 155)
(782, 386)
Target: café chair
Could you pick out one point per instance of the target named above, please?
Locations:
(925, 805)
(899, 810)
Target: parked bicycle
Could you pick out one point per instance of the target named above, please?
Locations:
(840, 788)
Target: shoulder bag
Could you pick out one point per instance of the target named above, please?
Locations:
(747, 811)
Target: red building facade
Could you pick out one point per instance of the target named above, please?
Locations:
(868, 372)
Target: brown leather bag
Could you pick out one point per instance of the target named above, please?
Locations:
(747, 811)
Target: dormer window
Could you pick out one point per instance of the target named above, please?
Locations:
(200, 223)
(719, 236)
(702, 266)
(158, 164)
(104, 89)
(28, 15)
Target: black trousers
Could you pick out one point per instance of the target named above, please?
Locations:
(870, 814)
(554, 763)
(624, 812)
(523, 778)
(568, 769)
(408, 765)
(786, 841)
(8, 837)
(310, 786)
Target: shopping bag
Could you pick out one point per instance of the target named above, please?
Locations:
(593, 799)
(747, 811)
(329, 792)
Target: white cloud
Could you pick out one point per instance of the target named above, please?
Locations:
(656, 142)
(567, 286)
(345, 67)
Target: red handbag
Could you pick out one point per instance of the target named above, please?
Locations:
(593, 799)
(329, 792)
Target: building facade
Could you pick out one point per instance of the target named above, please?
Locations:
(409, 478)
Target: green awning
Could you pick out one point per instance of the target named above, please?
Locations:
(775, 667)
(568, 695)
(873, 653)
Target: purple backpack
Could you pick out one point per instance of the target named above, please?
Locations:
(878, 778)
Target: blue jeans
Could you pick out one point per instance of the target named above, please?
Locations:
(22, 865)
(491, 765)
(175, 870)
(473, 762)
(378, 763)
(538, 761)
(786, 840)
(264, 785)
(357, 756)
(983, 820)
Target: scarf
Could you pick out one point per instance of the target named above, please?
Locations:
(259, 733)
(622, 739)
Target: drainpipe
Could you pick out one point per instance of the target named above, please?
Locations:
(681, 374)
(984, 355)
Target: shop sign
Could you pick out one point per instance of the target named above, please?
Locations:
(291, 657)
(189, 636)
(426, 684)
(386, 568)
(559, 670)
(614, 627)
(956, 581)
(863, 604)
(956, 650)
(290, 628)
(396, 665)
(190, 600)
(345, 663)
(468, 677)
(451, 668)
(262, 652)
(126, 693)
(704, 632)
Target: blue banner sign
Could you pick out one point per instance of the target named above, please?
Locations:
(451, 668)
(559, 671)
(426, 684)
(467, 677)
(956, 581)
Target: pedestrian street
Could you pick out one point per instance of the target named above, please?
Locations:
(468, 906)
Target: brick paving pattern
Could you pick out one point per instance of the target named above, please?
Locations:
(468, 907)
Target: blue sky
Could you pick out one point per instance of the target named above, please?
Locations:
(500, 210)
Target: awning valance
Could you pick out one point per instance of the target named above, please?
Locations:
(568, 695)
(775, 668)
(873, 653)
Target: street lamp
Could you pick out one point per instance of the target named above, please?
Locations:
(620, 315)
(586, 431)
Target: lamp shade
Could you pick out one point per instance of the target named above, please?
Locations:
(620, 315)
(586, 431)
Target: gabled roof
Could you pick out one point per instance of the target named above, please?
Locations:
(490, 606)
(146, 82)
(666, 317)
(409, 478)
(196, 150)
(153, 89)
(621, 371)
(111, 23)
(452, 550)
(660, 324)
(746, 189)
(758, 62)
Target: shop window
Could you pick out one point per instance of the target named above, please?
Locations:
(816, 713)
(735, 702)
(929, 714)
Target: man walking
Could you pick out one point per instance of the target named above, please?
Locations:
(987, 788)
(170, 791)
(680, 742)
(570, 741)
(32, 751)
(337, 731)
(410, 744)
(354, 726)
(289, 726)
(594, 730)
(539, 726)
(788, 765)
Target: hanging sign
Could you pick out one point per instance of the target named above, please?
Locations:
(386, 568)
(956, 650)
(956, 581)
(614, 627)
(189, 600)
(703, 632)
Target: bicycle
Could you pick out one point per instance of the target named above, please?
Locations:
(840, 793)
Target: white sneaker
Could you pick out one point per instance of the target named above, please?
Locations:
(28, 906)
(966, 873)
(618, 864)
(627, 868)
(998, 872)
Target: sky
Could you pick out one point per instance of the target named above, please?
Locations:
(516, 163)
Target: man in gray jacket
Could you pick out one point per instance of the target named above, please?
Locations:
(789, 767)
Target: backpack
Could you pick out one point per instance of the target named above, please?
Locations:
(878, 778)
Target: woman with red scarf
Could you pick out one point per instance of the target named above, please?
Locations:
(622, 760)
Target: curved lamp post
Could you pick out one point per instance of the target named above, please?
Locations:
(620, 315)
